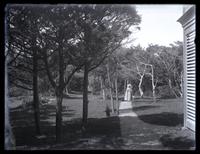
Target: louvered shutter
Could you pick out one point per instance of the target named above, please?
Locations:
(190, 77)
(188, 21)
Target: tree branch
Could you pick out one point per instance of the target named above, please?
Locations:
(72, 73)
(48, 71)
(13, 60)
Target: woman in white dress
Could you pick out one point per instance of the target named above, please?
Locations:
(128, 93)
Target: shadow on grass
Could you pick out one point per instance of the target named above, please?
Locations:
(100, 133)
(164, 119)
(138, 108)
(145, 107)
(23, 124)
(181, 143)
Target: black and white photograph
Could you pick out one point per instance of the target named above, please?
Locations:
(100, 77)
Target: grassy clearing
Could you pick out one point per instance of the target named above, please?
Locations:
(155, 127)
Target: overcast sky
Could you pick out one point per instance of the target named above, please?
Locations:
(159, 25)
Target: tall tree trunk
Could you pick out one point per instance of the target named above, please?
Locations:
(116, 92)
(153, 85)
(35, 93)
(171, 88)
(59, 97)
(139, 86)
(66, 91)
(178, 81)
(107, 110)
(154, 93)
(85, 96)
(103, 90)
(110, 89)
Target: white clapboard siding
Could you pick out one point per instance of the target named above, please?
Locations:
(188, 22)
(191, 80)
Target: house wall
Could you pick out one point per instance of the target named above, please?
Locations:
(188, 22)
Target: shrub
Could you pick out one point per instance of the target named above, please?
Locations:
(15, 92)
(76, 84)
(165, 92)
(148, 93)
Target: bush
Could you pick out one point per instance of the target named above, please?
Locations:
(15, 92)
(44, 87)
(165, 92)
(76, 84)
(148, 93)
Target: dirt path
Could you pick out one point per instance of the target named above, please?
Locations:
(150, 126)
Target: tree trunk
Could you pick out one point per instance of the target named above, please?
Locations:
(110, 89)
(85, 96)
(107, 110)
(178, 81)
(139, 86)
(153, 85)
(103, 90)
(154, 94)
(117, 100)
(66, 91)
(59, 97)
(171, 88)
(111, 101)
(35, 94)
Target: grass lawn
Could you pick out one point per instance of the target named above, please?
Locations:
(157, 126)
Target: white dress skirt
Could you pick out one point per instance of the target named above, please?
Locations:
(128, 94)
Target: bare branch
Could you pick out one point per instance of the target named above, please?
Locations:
(72, 73)
(156, 82)
(13, 60)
